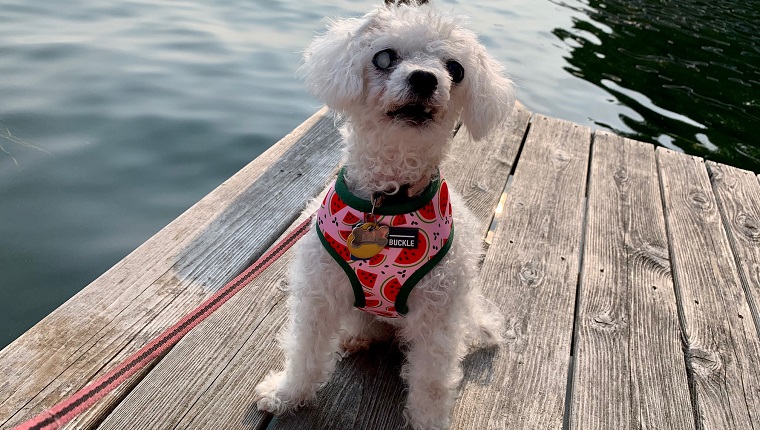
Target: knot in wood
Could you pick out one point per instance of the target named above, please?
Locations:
(699, 200)
(510, 335)
(654, 257)
(561, 156)
(605, 321)
(529, 275)
(621, 175)
(749, 226)
(283, 285)
(514, 334)
(704, 362)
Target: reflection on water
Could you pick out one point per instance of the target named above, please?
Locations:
(690, 69)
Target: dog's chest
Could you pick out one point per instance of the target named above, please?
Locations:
(416, 241)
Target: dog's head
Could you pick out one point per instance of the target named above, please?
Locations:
(408, 66)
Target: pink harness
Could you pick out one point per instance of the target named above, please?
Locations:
(421, 232)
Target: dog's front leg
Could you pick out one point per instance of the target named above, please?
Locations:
(310, 343)
(433, 371)
(310, 346)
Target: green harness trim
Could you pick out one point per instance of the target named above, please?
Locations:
(355, 284)
(417, 276)
(388, 207)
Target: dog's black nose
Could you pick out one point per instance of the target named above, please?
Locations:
(423, 83)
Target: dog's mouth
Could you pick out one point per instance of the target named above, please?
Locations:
(414, 114)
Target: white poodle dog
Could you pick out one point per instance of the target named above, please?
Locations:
(383, 258)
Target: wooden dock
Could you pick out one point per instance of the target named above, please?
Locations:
(629, 278)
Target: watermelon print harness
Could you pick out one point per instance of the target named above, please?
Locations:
(382, 284)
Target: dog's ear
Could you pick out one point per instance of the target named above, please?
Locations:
(333, 63)
(490, 98)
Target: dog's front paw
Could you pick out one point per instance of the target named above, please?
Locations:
(269, 397)
(426, 420)
(428, 406)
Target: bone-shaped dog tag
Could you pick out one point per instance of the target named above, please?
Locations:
(367, 240)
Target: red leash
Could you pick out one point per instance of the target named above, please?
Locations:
(83, 399)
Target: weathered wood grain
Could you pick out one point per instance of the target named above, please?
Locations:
(531, 272)
(479, 170)
(191, 395)
(228, 353)
(629, 370)
(366, 393)
(166, 277)
(722, 348)
(738, 196)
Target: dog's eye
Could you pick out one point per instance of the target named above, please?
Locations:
(455, 70)
(384, 59)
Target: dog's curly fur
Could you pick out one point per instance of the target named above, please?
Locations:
(386, 147)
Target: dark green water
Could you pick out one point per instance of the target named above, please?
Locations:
(689, 69)
(140, 108)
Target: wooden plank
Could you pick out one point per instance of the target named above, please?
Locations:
(192, 396)
(479, 170)
(629, 370)
(366, 393)
(531, 272)
(166, 277)
(721, 344)
(228, 353)
(738, 196)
